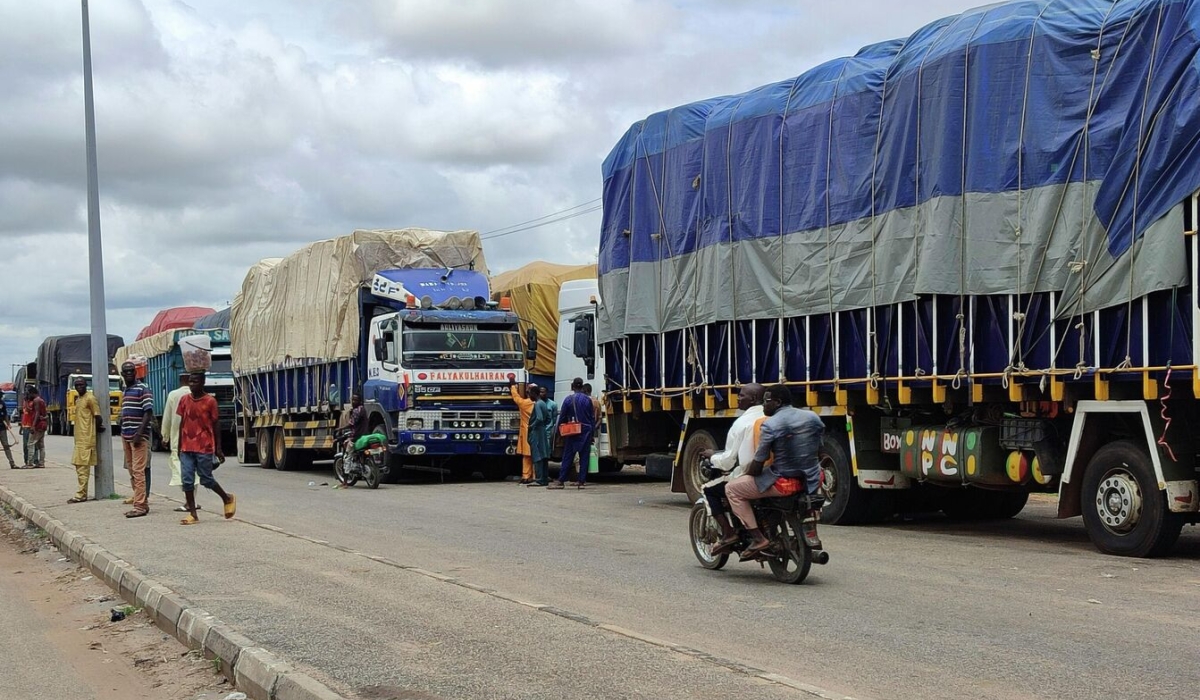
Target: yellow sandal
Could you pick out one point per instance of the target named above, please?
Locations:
(231, 507)
(189, 520)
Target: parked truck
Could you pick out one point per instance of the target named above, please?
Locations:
(165, 366)
(59, 357)
(112, 395)
(402, 317)
(972, 252)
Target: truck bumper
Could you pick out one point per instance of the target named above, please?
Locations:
(453, 442)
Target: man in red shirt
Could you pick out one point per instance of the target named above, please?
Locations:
(34, 422)
(199, 442)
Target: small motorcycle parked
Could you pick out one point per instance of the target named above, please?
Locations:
(364, 459)
(789, 522)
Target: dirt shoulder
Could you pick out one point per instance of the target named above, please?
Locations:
(62, 640)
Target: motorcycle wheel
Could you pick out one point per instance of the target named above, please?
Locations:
(339, 471)
(374, 474)
(788, 537)
(705, 533)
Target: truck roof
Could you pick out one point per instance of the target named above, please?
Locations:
(437, 286)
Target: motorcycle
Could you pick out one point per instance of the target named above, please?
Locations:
(789, 522)
(364, 459)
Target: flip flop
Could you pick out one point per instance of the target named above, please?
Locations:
(231, 507)
(183, 509)
(189, 520)
(137, 514)
(76, 500)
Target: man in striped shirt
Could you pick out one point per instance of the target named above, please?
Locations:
(137, 409)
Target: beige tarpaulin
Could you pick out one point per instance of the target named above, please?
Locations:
(534, 291)
(151, 346)
(304, 306)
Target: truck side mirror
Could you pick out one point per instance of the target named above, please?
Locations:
(531, 344)
(380, 350)
(583, 347)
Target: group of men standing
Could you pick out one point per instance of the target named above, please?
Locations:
(191, 426)
(541, 419)
(34, 422)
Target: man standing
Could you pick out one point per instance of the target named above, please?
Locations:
(88, 425)
(199, 445)
(540, 421)
(34, 421)
(137, 409)
(576, 409)
(170, 431)
(5, 437)
(737, 455)
(793, 436)
(553, 424)
(525, 406)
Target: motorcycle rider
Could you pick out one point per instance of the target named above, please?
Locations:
(737, 455)
(358, 418)
(790, 435)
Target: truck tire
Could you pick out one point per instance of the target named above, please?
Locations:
(1124, 512)
(286, 458)
(689, 461)
(264, 441)
(848, 504)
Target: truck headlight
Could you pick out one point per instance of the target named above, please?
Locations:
(416, 423)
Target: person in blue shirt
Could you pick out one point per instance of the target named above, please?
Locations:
(576, 408)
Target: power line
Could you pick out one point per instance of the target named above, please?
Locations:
(547, 216)
(595, 208)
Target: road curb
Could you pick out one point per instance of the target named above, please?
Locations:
(255, 671)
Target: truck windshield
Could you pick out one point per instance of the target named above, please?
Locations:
(221, 364)
(460, 349)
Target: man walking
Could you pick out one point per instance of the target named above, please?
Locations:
(576, 410)
(88, 425)
(200, 447)
(7, 438)
(34, 421)
(170, 431)
(137, 409)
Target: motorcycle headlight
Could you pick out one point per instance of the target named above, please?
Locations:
(415, 423)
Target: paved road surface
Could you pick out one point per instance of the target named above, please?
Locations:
(1019, 609)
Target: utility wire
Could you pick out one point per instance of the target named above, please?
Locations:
(547, 222)
(540, 218)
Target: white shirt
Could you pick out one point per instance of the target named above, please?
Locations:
(739, 443)
(170, 421)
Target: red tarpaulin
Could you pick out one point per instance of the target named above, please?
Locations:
(178, 317)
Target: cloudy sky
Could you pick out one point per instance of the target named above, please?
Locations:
(230, 131)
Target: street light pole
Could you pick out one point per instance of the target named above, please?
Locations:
(104, 462)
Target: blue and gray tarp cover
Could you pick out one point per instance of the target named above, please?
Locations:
(1019, 147)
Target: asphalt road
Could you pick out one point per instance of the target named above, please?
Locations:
(931, 609)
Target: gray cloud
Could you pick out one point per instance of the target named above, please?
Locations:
(231, 131)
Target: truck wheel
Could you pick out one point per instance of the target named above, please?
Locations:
(848, 504)
(1123, 510)
(264, 440)
(285, 457)
(693, 480)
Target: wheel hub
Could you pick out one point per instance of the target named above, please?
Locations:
(830, 476)
(1119, 502)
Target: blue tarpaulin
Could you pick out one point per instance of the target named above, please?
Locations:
(1021, 147)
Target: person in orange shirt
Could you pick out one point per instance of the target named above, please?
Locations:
(525, 406)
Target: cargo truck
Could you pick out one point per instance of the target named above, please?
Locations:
(113, 397)
(165, 365)
(58, 358)
(972, 252)
(402, 317)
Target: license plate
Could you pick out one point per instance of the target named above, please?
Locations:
(377, 450)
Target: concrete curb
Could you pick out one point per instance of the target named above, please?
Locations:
(255, 671)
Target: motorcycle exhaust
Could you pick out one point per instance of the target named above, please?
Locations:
(821, 557)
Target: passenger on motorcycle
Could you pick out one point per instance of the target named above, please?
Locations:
(793, 437)
(737, 455)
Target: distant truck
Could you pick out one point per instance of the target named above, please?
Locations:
(402, 317)
(113, 397)
(10, 403)
(58, 358)
(165, 365)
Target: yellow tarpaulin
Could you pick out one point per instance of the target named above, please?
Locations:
(534, 292)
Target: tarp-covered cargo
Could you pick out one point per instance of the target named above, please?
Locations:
(534, 292)
(171, 319)
(213, 321)
(304, 306)
(150, 346)
(61, 355)
(1018, 147)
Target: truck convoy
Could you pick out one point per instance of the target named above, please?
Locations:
(164, 365)
(972, 252)
(58, 358)
(402, 316)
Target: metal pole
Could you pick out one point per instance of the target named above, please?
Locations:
(100, 359)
